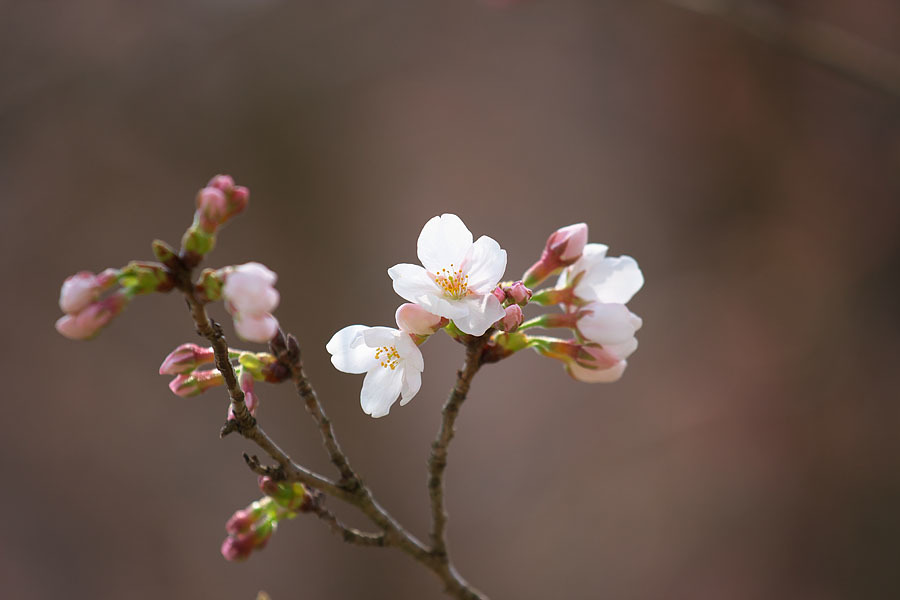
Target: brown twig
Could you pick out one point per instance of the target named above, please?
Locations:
(349, 534)
(828, 47)
(437, 461)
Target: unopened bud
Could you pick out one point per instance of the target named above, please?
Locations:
(89, 321)
(238, 547)
(563, 248)
(519, 293)
(238, 200)
(197, 242)
(241, 521)
(78, 291)
(165, 254)
(412, 318)
(225, 183)
(185, 358)
(499, 294)
(196, 383)
(513, 318)
(212, 208)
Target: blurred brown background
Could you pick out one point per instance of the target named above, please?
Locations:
(751, 450)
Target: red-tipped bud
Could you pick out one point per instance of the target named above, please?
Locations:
(80, 290)
(241, 521)
(238, 200)
(499, 294)
(225, 183)
(196, 383)
(563, 248)
(185, 358)
(239, 547)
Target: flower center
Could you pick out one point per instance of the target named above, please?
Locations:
(388, 357)
(453, 282)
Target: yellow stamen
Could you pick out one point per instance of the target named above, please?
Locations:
(388, 357)
(453, 282)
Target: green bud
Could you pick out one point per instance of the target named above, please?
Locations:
(197, 241)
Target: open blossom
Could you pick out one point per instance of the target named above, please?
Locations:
(250, 297)
(603, 278)
(391, 361)
(611, 325)
(458, 277)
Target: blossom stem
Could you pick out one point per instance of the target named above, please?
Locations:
(437, 461)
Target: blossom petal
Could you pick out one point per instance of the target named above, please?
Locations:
(607, 323)
(622, 350)
(611, 280)
(256, 328)
(585, 375)
(444, 240)
(483, 312)
(486, 263)
(412, 282)
(380, 390)
(380, 336)
(348, 353)
(412, 382)
(410, 353)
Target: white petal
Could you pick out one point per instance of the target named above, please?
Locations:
(611, 280)
(444, 240)
(593, 376)
(607, 323)
(256, 328)
(485, 265)
(444, 307)
(412, 382)
(412, 282)
(592, 254)
(348, 354)
(410, 353)
(380, 336)
(622, 350)
(483, 312)
(380, 390)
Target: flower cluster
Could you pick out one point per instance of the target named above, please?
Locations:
(250, 528)
(457, 287)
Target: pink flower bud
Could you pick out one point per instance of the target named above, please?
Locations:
(241, 521)
(238, 200)
(518, 293)
(563, 248)
(249, 289)
(212, 208)
(513, 318)
(251, 400)
(185, 358)
(88, 322)
(568, 242)
(222, 182)
(196, 383)
(259, 329)
(499, 294)
(78, 291)
(412, 318)
(238, 547)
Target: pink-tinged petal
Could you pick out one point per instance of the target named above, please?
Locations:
(410, 354)
(78, 291)
(485, 265)
(445, 307)
(611, 280)
(376, 337)
(585, 375)
(348, 352)
(380, 390)
(412, 318)
(568, 241)
(607, 323)
(483, 312)
(256, 328)
(412, 282)
(412, 382)
(444, 240)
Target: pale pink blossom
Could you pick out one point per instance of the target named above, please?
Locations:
(88, 322)
(250, 297)
(601, 278)
(458, 276)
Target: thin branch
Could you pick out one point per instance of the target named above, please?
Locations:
(437, 461)
(836, 50)
(349, 534)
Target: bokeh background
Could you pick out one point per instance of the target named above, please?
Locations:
(751, 451)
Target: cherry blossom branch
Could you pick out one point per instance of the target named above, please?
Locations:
(437, 461)
(349, 534)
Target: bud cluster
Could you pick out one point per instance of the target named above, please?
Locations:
(219, 201)
(250, 528)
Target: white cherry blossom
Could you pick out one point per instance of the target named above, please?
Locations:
(457, 276)
(390, 359)
(603, 278)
